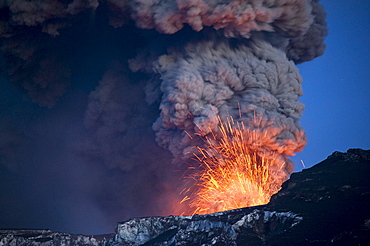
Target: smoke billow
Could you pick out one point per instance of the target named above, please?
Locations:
(245, 70)
(141, 75)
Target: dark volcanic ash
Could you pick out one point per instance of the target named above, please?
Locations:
(104, 68)
(242, 66)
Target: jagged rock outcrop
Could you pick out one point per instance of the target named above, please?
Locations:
(333, 198)
(214, 229)
(327, 204)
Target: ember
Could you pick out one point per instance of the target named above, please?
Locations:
(233, 174)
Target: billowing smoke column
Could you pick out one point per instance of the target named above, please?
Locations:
(214, 78)
(242, 66)
(194, 60)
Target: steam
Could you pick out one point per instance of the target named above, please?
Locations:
(145, 79)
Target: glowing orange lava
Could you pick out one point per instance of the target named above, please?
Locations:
(233, 174)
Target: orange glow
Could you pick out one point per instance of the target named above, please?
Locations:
(232, 174)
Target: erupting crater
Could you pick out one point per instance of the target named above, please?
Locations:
(233, 173)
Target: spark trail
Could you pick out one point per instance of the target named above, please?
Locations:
(233, 174)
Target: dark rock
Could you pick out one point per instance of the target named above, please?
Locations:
(333, 197)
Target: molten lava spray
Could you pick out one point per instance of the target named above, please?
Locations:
(233, 174)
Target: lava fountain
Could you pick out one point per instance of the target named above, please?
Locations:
(233, 174)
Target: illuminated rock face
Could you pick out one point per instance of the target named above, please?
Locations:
(223, 228)
(327, 204)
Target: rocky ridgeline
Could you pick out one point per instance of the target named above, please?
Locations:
(327, 204)
(44, 238)
(214, 229)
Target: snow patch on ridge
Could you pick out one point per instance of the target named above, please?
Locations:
(183, 230)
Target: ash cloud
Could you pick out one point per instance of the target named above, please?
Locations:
(105, 94)
(43, 77)
(244, 69)
(119, 140)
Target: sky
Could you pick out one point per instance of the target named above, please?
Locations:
(60, 165)
(336, 86)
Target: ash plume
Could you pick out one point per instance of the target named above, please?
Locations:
(131, 87)
(212, 78)
(244, 69)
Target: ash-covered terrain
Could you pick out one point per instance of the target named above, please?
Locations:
(326, 204)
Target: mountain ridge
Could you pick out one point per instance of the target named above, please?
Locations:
(326, 204)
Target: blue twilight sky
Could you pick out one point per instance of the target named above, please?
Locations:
(58, 165)
(337, 85)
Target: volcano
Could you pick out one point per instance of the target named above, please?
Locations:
(326, 204)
